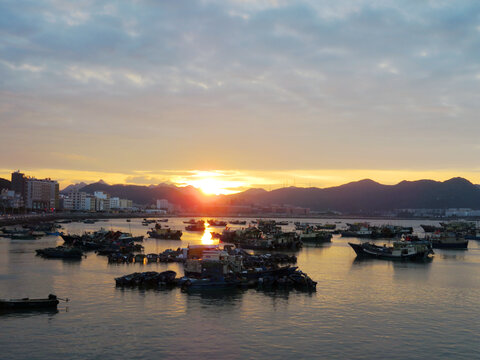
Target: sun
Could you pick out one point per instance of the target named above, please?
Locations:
(212, 187)
(212, 183)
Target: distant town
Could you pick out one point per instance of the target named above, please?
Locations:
(26, 194)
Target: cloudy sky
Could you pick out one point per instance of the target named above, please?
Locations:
(262, 93)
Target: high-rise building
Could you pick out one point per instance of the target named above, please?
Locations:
(19, 183)
(41, 194)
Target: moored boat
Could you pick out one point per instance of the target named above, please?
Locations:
(26, 303)
(401, 250)
(448, 240)
(315, 237)
(165, 234)
(60, 252)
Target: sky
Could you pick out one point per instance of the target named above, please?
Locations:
(240, 93)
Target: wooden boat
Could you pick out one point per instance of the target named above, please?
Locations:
(26, 304)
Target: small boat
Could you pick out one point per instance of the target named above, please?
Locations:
(29, 304)
(282, 223)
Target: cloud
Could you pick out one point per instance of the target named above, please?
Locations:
(240, 84)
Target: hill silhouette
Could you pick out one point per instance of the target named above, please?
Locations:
(4, 184)
(355, 197)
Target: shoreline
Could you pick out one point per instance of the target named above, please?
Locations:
(36, 218)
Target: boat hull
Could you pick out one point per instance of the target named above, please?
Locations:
(447, 245)
(28, 304)
(363, 251)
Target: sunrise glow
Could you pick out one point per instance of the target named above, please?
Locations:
(214, 183)
(207, 236)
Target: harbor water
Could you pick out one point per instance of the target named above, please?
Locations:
(362, 309)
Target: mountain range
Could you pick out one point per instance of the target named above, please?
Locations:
(355, 197)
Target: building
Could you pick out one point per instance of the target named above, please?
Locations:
(114, 203)
(163, 204)
(19, 183)
(41, 194)
(9, 199)
(102, 201)
(125, 204)
(67, 203)
(90, 203)
(78, 200)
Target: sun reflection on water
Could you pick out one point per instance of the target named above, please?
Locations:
(207, 236)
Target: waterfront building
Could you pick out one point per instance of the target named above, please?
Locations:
(66, 203)
(164, 204)
(41, 194)
(114, 203)
(90, 202)
(125, 204)
(9, 199)
(102, 201)
(19, 183)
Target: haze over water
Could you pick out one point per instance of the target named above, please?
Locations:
(370, 309)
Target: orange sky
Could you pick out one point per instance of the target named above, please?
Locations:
(227, 94)
(225, 182)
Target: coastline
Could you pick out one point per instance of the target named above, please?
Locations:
(35, 218)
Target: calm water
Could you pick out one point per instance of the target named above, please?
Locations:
(369, 309)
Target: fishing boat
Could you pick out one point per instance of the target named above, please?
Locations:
(430, 228)
(326, 226)
(60, 252)
(166, 234)
(214, 222)
(50, 302)
(473, 236)
(448, 240)
(191, 222)
(23, 236)
(199, 226)
(310, 235)
(401, 250)
(238, 222)
(192, 284)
